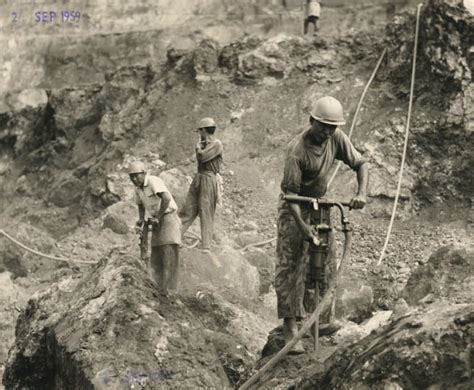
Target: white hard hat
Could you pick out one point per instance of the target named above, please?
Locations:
(206, 122)
(136, 167)
(328, 110)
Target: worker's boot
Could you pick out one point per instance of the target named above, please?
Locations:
(290, 329)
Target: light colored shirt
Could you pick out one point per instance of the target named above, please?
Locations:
(149, 200)
(312, 8)
(307, 166)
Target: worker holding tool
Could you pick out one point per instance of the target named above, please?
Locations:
(205, 189)
(312, 10)
(309, 158)
(157, 207)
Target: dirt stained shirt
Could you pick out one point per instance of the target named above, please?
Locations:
(147, 197)
(307, 166)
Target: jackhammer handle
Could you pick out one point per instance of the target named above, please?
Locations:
(307, 199)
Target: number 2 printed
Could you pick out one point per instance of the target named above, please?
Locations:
(14, 17)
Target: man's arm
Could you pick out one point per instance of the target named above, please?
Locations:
(360, 200)
(165, 202)
(211, 151)
(295, 209)
(347, 153)
(290, 186)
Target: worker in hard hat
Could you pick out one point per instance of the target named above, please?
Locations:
(309, 158)
(312, 10)
(156, 205)
(203, 193)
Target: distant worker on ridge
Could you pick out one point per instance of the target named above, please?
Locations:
(308, 162)
(312, 10)
(204, 191)
(157, 206)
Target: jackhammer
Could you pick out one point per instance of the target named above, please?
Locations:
(319, 248)
(143, 231)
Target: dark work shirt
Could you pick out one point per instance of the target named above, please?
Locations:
(307, 166)
(210, 158)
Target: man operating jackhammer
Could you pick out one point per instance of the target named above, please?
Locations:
(204, 191)
(157, 207)
(309, 158)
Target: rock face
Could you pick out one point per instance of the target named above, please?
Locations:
(431, 349)
(110, 329)
(120, 217)
(446, 31)
(448, 274)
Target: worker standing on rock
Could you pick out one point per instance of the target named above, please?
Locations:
(204, 191)
(312, 10)
(308, 161)
(157, 206)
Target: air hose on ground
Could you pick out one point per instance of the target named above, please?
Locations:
(16, 242)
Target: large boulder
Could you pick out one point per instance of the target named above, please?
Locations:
(120, 217)
(178, 184)
(448, 274)
(266, 268)
(110, 329)
(11, 261)
(429, 349)
(67, 192)
(354, 301)
(20, 262)
(224, 271)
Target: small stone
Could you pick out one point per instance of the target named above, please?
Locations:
(250, 225)
(401, 308)
(247, 238)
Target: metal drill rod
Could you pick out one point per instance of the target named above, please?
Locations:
(316, 323)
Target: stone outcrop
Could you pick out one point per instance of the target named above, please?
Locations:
(430, 349)
(110, 329)
(444, 69)
(448, 274)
